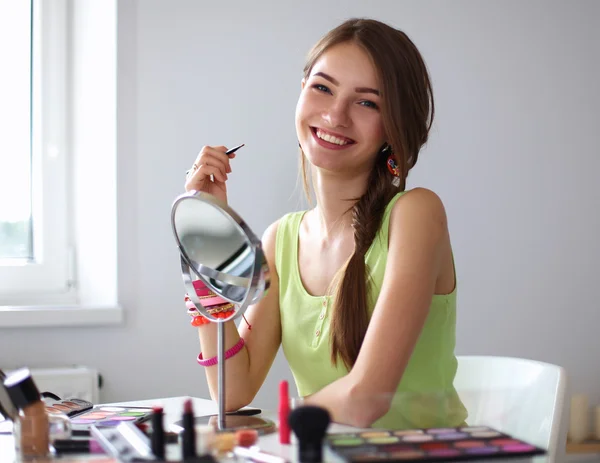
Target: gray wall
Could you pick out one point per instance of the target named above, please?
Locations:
(514, 155)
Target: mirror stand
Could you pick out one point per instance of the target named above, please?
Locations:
(224, 421)
(221, 376)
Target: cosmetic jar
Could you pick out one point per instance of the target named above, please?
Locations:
(31, 428)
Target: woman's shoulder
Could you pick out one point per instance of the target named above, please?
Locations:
(420, 208)
(419, 198)
(269, 237)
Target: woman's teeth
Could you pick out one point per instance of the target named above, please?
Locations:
(331, 138)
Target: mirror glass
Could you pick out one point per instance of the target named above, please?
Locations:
(220, 249)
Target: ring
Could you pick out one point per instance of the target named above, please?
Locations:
(193, 169)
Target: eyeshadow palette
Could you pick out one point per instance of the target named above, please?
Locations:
(429, 445)
(70, 407)
(104, 415)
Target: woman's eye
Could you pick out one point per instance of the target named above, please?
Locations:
(369, 104)
(321, 88)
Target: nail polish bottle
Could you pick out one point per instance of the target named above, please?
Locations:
(31, 428)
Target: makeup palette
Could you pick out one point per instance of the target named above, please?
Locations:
(70, 407)
(102, 415)
(429, 445)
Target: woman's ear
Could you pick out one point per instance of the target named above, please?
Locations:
(303, 83)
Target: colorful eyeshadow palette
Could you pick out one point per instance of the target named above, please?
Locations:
(429, 445)
(70, 407)
(102, 415)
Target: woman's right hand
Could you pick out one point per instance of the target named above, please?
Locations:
(209, 172)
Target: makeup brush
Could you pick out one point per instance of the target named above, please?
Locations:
(233, 150)
(310, 424)
(228, 152)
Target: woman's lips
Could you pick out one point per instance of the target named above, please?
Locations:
(328, 144)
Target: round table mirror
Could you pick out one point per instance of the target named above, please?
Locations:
(218, 248)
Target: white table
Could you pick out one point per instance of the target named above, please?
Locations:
(173, 409)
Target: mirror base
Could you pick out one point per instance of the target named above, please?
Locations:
(233, 423)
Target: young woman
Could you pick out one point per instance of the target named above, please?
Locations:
(363, 287)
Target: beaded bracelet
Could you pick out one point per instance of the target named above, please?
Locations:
(228, 354)
(199, 320)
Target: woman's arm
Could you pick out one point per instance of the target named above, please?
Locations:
(247, 370)
(418, 233)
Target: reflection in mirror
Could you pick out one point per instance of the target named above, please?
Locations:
(219, 247)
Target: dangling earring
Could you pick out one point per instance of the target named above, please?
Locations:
(392, 166)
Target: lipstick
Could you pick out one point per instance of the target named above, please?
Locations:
(188, 444)
(158, 433)
(284, 411)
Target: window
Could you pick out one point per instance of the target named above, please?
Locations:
(58, 117)
(35, 261)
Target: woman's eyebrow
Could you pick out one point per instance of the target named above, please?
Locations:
(357, 89)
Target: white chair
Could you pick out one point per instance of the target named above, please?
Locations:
(524, 398)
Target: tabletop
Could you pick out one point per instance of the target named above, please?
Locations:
(173, 409)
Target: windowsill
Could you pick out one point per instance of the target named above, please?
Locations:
(44, 316)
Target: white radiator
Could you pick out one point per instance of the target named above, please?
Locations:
(74, 382)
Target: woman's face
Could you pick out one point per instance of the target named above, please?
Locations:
(338, 118)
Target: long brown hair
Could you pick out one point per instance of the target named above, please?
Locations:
(407, 111)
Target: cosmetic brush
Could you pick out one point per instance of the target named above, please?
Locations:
(310, 424)
(234, 149)
(228, 152)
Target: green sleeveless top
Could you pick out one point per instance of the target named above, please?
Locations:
(425, 396)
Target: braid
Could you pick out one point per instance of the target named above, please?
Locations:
(350, 314)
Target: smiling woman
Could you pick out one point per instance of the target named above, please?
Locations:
(363, 292)
(338, 120)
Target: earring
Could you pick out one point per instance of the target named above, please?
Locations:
(392, 166)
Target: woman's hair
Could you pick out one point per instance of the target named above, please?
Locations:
(407, 111)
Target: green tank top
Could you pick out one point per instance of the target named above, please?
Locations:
(425, 396)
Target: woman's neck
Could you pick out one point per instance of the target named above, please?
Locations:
(335, 198)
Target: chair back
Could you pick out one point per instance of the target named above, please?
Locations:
(521, 397)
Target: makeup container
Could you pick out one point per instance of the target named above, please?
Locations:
(223, 445)
(431, 445)
(246, 437)
(579, 419)
(31, 427)
(205, 437)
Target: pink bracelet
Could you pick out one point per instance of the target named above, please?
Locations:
(228, 354)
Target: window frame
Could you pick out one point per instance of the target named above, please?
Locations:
(49, 278)
(84, 96)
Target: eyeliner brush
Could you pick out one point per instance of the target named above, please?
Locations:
(229, 151)
(233, 150)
